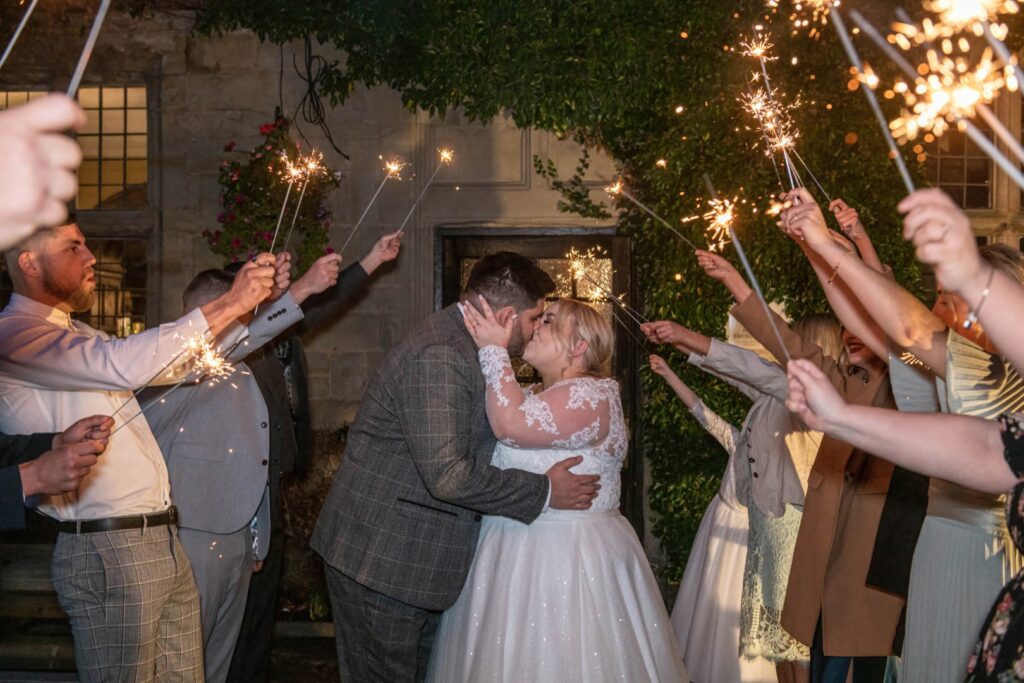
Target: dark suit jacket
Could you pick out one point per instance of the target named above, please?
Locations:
(15, 450)
(403, 513)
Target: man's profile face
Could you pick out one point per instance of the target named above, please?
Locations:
(67, 268)
(525, 327)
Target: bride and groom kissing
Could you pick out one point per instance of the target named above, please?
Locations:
(462, 493)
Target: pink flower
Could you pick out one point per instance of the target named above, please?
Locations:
(267, 237)
(230, 147)
(258, 155)
(220, 217)
(236, 242)
(230, 218)
(328, 249)
(239, 198)
(267, 128)
(234, 176)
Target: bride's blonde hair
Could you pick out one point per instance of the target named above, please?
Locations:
(574, 322)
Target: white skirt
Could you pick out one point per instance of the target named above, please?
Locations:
(706, 616)
(568, 598)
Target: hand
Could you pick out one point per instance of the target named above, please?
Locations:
(571, 491)
(664, 332)
(95, 428)
(715, 266)
(848, 219)
(253, 283)
(486, 328)
(37, 165)
(804, 220)
(321, 275)
(386, 249)
(943, 238)
(282, 276)
(812, 397)
(659, 366)
(844, 243)
(60, 470)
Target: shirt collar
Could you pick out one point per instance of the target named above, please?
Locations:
(24, 305)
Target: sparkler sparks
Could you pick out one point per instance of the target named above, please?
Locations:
(956, 16)
(392, 171)
(758, 47)
(721, 224)
(445, 158)
(393, 168)
(618, 189)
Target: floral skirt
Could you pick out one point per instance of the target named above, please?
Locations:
(999, 654)
(770, 549)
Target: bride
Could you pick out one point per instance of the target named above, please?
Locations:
(570, 597)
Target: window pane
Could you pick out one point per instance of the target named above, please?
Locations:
(951, 170)
(978, 171)
(113, 146)
(113, 121)
(976, 197)
(89, 98)
(88, 173)
(136, 147)
(113, 172)
(92, 122)
(88, 197)
(136, 120)
(954, 191)
(113, 98)
(136, 172)
(136, 98)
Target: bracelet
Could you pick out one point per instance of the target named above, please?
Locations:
(839, 262)
(972, 316)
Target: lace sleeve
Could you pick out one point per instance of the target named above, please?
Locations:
(568, 415)
(1013, 441)
(716, 426)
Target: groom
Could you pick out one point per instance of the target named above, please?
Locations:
(399, 527)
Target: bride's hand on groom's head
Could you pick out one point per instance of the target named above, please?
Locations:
(486, 327)
(572, 491)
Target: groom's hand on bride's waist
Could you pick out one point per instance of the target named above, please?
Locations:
(572, 491)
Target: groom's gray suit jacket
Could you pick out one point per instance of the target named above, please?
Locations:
(403, 513)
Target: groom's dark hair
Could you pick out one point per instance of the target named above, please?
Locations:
(509, 279)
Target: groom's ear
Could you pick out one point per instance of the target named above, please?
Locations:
(503, 314)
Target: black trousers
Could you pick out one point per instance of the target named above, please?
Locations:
(828, 669)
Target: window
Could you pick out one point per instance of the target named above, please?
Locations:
(114, 148)
(958, 166)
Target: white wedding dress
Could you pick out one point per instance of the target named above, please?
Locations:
(570, 597)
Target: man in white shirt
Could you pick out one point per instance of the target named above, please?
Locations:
(118, 568)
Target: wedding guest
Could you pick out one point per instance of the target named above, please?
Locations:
(47, 464)
(829, 605)
(935, 445)
(706, 614)
(37, 165)
(280, 371)
(960, 559)
(775, 456)
(118, 569)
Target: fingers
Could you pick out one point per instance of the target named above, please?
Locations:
(837, 205)
(926, 196)
(485, 308)
(54, 113)
(799, 195)
(569, 463)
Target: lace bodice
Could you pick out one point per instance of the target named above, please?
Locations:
(536, 429)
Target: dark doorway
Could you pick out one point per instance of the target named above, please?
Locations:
(457, 248)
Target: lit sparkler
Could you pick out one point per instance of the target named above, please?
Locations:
(738, 246)
(392, 170)
(808, 13)
(721, 224)
(445, 157)
(310, 167)
(292, 172)
(617, 188)
(589, 268)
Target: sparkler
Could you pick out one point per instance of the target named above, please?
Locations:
(869, 93)
(207, 362)
(750, 271)
(445, 156)
(90, 43)
(719, 228)
(808, 12)
(954, 101)
(292, 173)
(588, 267)
(392, 169)
(17, 32)
(617, 188)
(311, 167)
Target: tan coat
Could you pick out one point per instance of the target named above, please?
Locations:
(845, 495)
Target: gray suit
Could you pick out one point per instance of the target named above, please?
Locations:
(403, 513)
(215, 440)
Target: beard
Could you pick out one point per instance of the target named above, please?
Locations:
(517, 343)
(80, 299)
